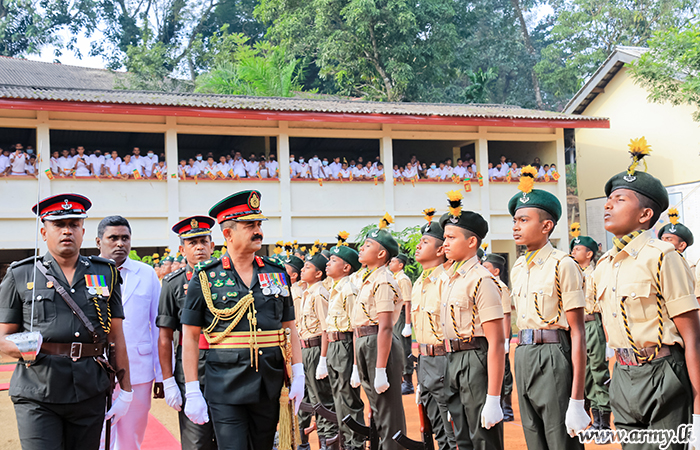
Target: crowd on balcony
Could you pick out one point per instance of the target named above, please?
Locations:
(17, 161)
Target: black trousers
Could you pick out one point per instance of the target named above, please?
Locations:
(60, 426)
(245, 427)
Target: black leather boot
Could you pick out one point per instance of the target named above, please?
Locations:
(507, 407)
(596, 419)
(407, 385)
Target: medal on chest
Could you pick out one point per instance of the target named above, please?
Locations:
(96, 285)
(273, 284)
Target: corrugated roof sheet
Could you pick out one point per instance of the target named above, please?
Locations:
(23, 72)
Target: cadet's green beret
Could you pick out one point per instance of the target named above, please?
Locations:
(319, 261)
(347, 254)
(433, 229)
(679, 230)
(642, 183)
(326, 253)
(468, 220)
(586, 241)
(494, 259)
(403, 258)
(386, 240)
(295, 262)
(479, 253)
(537, 198)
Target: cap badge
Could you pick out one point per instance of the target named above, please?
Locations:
(427, 227)
(577, 240)
(524, 198)
(672, 229)
(375, 234)
(66, 205)
(629, 178)
(254, 201)
(454, 219)
(336, 250)
(194, 224)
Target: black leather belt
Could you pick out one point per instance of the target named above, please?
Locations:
(458, 345)
(369, 330)
(312, 342)
(74, 350)
(334, 336)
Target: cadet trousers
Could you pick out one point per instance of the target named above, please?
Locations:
(319, 391)
(431, 379)
(466, 383)
(507, 388)
(597, 372)
(347, 399)
(193, 436)
(406, 343)
(543, 374)
(653, 396)
(245, 427)
(387, 407)
(60, 426)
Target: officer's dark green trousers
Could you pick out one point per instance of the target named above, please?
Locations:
(406, 343)
(597, 372)
(60, 426)
(543, 374)
(655, 396)
(431, 378)
(387, 407)
(347, 399)
(466, 383)
(245, 427)
(193, 436)
(319, 391)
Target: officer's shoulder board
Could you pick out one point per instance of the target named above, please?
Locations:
(31, 259)
(207, 264)
(101, 260)
(273, 262)
(172, 275)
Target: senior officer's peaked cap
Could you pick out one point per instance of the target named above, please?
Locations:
(242, 206)
(194, 226)
(62, 206)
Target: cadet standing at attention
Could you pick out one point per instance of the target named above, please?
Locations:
(583, 249)
(496, 265)
(197, 246)
(314, 342)
(60, 397)
(645, 291)
(550, 359)
(342, 263)
(379, 359)
(425, 312)
(472, 320)
(402, 327)
(242, 303)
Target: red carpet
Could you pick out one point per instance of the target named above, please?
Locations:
(4, 386)
(158, 437)
(7, 367)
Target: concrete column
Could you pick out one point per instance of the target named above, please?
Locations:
(43, 151)
(173, 189)
(482, 165)
(386, 155)
(561, 232)
(285, 182)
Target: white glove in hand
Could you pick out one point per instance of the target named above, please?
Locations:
(296, 390)
(577, 419)
(120, 406)
(381, 382)
(173, 397)
(418, 394)
(609, 353)
(491, 413)
(355, 377)
(695, 437)
(322, 368)
(406, 332)
(195, 406)
(506, 345)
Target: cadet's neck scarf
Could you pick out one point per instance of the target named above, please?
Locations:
(427, 272)
(530, 256)
(624, 240)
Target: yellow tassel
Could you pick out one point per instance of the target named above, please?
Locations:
(454, 200)
(575, 229)
(673, 216)
(286, 422)
(428, 214)
(386, 221)
(527, 179)
(639, 148)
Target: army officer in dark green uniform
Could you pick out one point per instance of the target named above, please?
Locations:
(242, 303)
(60, 397)
(197, 246)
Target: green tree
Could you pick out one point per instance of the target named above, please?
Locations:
(670, 70)
(408, 240)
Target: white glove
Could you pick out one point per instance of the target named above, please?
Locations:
(296, 390)
(695, 436)
(322, 368)
(491, 413)
(195, 406)
(407, 332)
(577, 419)
(506, 345)
(609, 352)
(120, 406)
(418, 394)
(355, 377)
(381, 382)
(173, 397)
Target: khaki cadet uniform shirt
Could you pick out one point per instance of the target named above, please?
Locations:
(425, 307)
(631, 273)
(314, 310)
(328, 283)
(379, 293)
(465, 308)
(405, 285)
(696, 275)
(506, 299)
(535, 282)
(591, 303)
(296, 290)
(340, 306)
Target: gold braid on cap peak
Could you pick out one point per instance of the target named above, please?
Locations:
(673, 216)
(428, 214)
(342, 238)
(386, 221)
(575, 229)
(527, 179)
(638, 149)
(454, 200)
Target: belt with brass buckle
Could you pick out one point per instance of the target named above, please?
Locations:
(312, 342)
(432, 350)
(334, 336)
(627, 357)
(534, 337)
(74, 350)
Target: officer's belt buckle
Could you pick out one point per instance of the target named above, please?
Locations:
(76, 350)
(527, 337)
(626, 357)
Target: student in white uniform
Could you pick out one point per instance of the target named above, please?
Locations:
(433, 172)
(294, 167)
(18, 161)
(272, 166)
(113, 163)
(65, 163)
(127, 167)
(97, 160)
(83, 166)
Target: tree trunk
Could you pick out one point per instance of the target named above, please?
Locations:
(531, 50)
